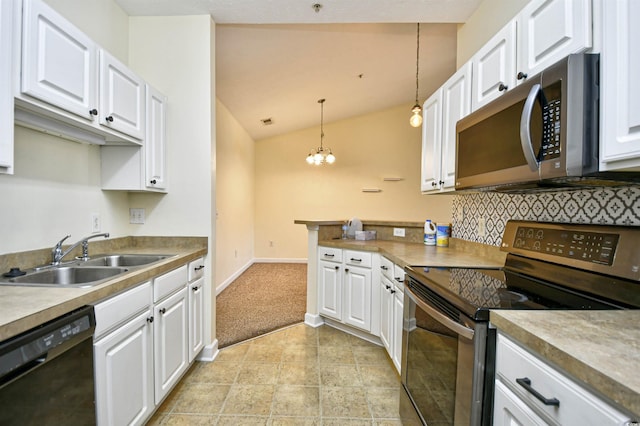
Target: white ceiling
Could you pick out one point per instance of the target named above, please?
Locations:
(276, 58)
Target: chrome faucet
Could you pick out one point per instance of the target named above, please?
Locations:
(57, 254)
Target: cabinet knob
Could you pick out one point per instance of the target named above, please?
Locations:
(195, 288)
(522, 75)
(162, 311)
(109, 119)
(434, 184)
(441, 182)
(502, 87)
(387, 286)
(392, 291)
(150, 320)
(384, 268)
(337, 267)
(153, 181)
(346, 269)
(93, 111)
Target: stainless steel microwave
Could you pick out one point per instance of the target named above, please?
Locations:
(543, 134)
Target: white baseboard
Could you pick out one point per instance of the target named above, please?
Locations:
(354, 331)
(313, 320)
(209, 352)
(279, 260)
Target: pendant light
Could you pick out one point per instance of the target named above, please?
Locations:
(416, 118)
(321, 155)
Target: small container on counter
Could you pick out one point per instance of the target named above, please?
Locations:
(429, 233)
(443, 233)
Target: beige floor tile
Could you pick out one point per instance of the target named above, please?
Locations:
(302, 335)
(335, 355)
(201, 398)
(339, 375)
(379, 376)
(275, 338)
(387, 422)
(234, 353)
(348, 402)
(345, 422)
(242, 421)
(299, 374)
(264, 353)
(370, 355)
(298, 352)
(328, 336)
(216, 372)
(384, 402)
(258, 374)
(249, 400)
(291, 400)
(189, 420)
(295, 421)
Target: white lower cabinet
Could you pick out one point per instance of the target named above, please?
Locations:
(529, 391)
(345, 288)
(196, 308)
(142, 346)
(391, 309)
(170, 342)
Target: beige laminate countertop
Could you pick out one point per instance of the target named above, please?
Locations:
(460, 253)
(22, 308)
(600, 348)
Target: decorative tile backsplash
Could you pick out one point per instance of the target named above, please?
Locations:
(606, 206)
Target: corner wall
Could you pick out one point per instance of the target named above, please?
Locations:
(368, 148)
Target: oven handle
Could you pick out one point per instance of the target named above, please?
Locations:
(459, 329)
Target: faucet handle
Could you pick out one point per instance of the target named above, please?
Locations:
(56, 252)
(59, 243)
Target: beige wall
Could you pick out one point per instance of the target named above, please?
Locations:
(235, 196)
(367, 148)
(490, 17)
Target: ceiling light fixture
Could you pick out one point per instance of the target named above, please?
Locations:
(416, 118)
(321, 155)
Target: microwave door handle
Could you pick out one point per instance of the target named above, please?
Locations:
(525, 128)
(459, 329)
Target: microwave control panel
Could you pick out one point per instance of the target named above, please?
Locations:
(550, 130)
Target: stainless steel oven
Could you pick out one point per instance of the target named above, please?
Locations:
(46, 374)
(448, 342)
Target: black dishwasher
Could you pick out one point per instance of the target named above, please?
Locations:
(46, 373)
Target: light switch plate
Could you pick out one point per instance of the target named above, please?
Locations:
(398, 232)
(136, 216)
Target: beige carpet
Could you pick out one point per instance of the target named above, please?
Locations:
(266, 297)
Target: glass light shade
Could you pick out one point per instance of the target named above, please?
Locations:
(416, 118)
(310, 159)
(331, 158)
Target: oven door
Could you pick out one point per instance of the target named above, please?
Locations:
(443, 362)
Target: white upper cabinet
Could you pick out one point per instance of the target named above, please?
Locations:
(441, 113)
(620, 86)
(68, 86)
(122, 97)
(59, 62)
(155, 141)
(549, 30)
(494, 67)
(6, 93)
(431, 142)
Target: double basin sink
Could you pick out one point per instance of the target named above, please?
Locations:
(87, 273)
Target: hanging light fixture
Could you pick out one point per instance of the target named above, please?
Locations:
(416, 118)
(321, 155)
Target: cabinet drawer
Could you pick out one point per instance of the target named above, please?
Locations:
(398, 277)
(169, 282)
(329, 253)
(196, 269)
(386, 266)
(576, 404)
(116, 310)
(357, 258)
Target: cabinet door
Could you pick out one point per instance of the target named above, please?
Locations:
(59, 64)
(357, 297)
(6, 95)
(170, 342)
(155, 140)
(124, 373)
(122, 97)
(456, 103)
(431, 143)
(549, 30)
(398, 318)
(196, 318)
(330, 289)
(386, 314)
(509, 410)
(620, 86)
(494, 67)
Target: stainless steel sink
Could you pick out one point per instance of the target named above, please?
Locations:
(125, 259)
(66, 276)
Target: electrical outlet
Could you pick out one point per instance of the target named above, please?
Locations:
(270, 243)
(236, 253)
(95, 222)
(136, 216)
(398, 232)
(482, 227)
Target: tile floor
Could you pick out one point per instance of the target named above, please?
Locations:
(296, 376)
